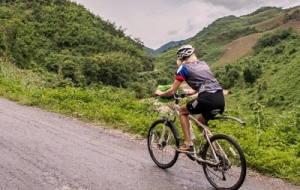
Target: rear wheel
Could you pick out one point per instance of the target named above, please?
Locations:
(162, 144)
(230, 172)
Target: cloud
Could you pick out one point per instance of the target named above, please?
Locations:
(158, 22)
(172, 32)
(234, 5)
(190, 26)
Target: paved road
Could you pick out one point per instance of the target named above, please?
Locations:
(46, 151)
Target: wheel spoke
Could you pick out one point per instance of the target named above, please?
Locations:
(161, 144)
(231, 171)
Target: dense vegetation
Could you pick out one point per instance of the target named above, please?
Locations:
(56, 55)
(270, 76)
(62, 37)
(252, 76)
(108, 106)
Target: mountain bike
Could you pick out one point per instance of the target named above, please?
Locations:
(221, 157)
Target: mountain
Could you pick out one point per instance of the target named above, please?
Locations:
(62, 37)
(211, 42)
(248, 53)
(166, 47)
(82, 50)
(150, 51)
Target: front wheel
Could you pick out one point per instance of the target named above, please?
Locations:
(227, 167)
(162, 144)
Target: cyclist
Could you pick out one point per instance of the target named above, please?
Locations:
(210, 100)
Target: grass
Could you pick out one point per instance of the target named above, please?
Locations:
(291, 24)
(267, 13)
(107, 106)
(237, 50)
(270, 23)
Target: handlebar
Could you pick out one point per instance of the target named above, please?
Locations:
(175, 97)
(180, 96)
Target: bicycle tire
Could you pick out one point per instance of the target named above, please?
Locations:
(162, 150)
(231, 171)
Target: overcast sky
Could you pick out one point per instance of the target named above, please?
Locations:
(157, 22)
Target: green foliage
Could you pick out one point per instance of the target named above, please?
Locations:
(263, 9)
(215, 30)
(272, 39)
(212, 56)
(251, 72)
(114, 69)
(227, 76)
(60, 35)
(110, 106)
(270, 142)
(268, 76)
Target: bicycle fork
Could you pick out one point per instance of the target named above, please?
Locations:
(168, 123)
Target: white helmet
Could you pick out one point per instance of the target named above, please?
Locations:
(185, 51)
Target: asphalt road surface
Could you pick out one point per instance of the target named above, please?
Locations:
(47, 151)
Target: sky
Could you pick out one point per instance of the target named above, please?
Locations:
(157, 22)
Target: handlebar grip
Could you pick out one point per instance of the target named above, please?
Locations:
(181, 95)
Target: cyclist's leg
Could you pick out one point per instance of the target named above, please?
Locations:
(184, 121)
(201, 119)
(196, 106)
(209, 105)
(205, 105)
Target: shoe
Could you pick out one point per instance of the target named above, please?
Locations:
(186, 149)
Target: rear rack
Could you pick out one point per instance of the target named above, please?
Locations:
(230, 117)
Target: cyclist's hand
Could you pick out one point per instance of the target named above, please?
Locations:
(158, 92)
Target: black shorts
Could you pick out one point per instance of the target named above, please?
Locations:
(208, 104)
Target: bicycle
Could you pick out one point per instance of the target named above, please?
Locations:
(221, 157)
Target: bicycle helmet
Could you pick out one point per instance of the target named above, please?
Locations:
(185, 51)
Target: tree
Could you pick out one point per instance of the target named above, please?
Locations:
(252, 72)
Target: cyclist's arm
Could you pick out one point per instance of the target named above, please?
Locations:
(190, 92)
(171, 91)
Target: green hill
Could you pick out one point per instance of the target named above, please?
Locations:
(63, 37)
(228, 46)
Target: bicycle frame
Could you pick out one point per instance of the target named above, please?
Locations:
(221, 157)
(174, 113)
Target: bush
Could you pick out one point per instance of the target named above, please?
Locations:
(271, 39)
